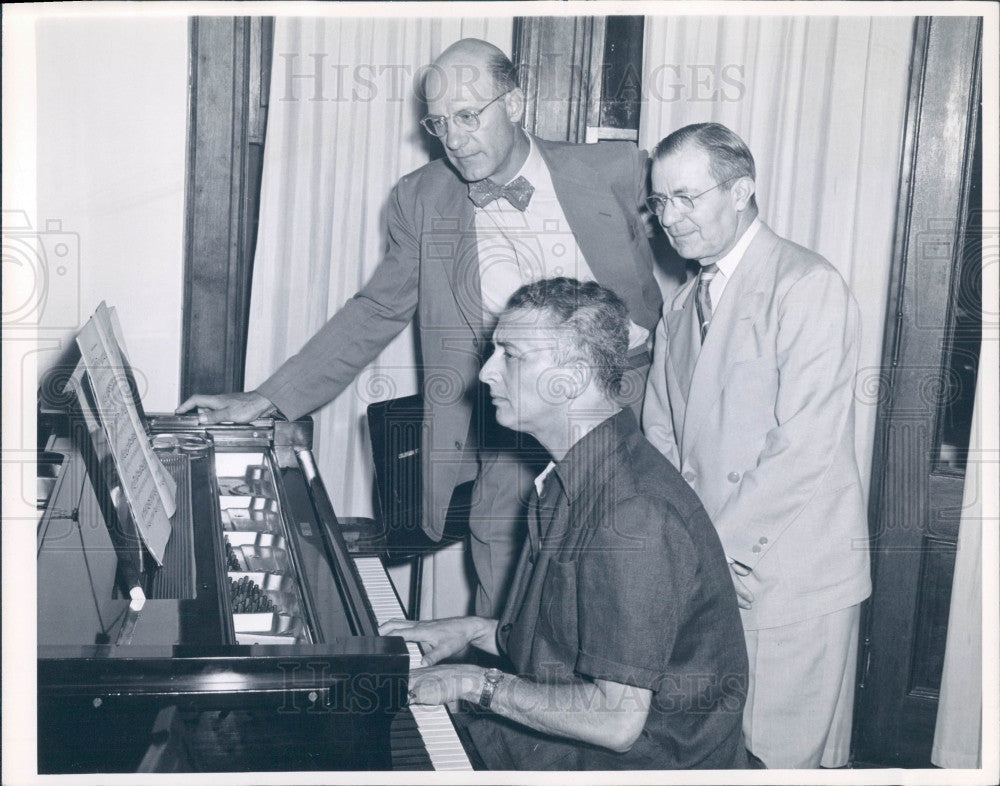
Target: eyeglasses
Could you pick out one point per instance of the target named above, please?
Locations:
(657, 203)
(464, 119)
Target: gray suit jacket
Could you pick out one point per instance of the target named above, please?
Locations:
(431, 268)
(760, 421)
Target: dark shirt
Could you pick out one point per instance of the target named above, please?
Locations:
(626, 582)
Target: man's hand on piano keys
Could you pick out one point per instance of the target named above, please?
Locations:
(228, 407)
(444, 684)
(441, 639)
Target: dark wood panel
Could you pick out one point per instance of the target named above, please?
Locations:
(230, 73)
(581, 76)
(933, 602)
(947, 513)
(556, 57)
(621, 80)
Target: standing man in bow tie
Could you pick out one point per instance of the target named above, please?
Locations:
(751, 397)
(503, 209)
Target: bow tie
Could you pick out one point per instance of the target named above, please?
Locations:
(518, 192)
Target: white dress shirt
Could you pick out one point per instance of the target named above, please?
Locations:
(728, 264)
(518, 248)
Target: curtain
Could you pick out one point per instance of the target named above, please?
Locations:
(821, 103)
(342, 129)
(958, 731)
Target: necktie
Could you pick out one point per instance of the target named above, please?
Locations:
(548, 501)
(518, 192)
(703, 300)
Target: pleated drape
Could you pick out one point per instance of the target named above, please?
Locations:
(821, 103)
(342, 129)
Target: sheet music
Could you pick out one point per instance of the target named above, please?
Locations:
(147, 487)
(165, 482)
(129, 550)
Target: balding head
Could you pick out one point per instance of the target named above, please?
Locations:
(471, 57)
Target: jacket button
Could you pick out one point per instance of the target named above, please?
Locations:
(688, 476)
(505, 627)
(755, 549)
(733, 477)
(763, 541)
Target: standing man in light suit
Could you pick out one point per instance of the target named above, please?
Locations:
(751, 397)
(502, 209)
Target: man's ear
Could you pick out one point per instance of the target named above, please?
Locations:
(514, 103)
(579, 375)
(742, 191)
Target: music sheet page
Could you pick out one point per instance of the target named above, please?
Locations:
(147, 487)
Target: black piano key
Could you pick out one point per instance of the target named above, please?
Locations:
(406, 744)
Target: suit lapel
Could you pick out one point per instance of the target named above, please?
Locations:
(459, 251)
(684, 344)
(731, 327)
(583, 198)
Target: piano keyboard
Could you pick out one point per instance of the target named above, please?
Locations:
(433, 722)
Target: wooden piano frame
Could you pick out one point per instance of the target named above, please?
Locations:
(182, 693)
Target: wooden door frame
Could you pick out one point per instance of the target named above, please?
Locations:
(580, 76)
(942, 111)
(229, 79)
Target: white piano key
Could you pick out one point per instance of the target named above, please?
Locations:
(433, 722)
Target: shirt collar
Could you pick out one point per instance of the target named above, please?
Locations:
(727, 265)
(533, 166)
(540, 480)
(579, 468)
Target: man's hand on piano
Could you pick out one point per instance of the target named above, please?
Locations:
(441, 639)
(228, 407)
(444, 684)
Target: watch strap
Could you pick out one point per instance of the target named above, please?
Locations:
(491, 679)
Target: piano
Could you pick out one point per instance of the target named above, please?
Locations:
(256, 647)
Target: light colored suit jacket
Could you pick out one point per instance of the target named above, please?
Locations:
(760, 421)
(431, 268)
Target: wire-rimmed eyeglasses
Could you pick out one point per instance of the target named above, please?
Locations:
(682, 203)
(464, 119)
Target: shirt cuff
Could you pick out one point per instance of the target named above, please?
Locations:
(603, 669)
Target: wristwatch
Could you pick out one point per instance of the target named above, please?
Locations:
(492, 678)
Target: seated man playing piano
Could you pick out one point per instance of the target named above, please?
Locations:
(622, 638)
